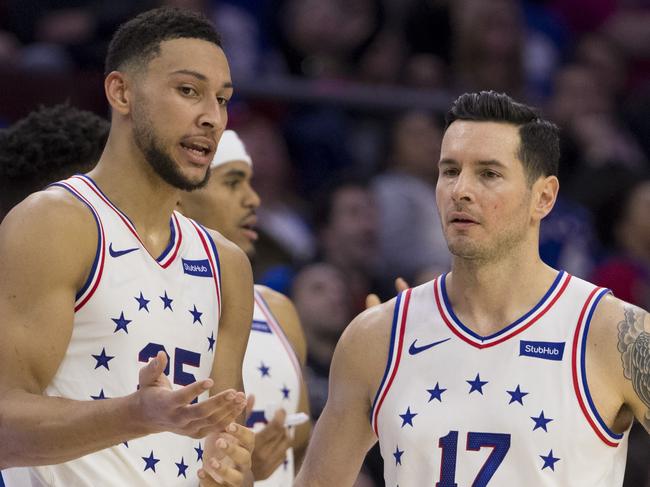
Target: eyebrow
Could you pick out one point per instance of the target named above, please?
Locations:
(235, 173)
(485, 162)
(199, 76)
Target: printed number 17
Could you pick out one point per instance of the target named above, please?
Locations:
(475, 441)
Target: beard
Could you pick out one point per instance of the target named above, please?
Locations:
(159, 159)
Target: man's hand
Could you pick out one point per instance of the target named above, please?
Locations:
(230, 463)
(373, 299)
(271, 444)
(163, 409)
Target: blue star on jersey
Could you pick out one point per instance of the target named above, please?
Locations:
(398, 455)
(541, 421)
(264, 370)
(476, 384)
(182, 468)
(121, 323)
(150, 462)
(143, 302)
(211, 341)
(196, 315)
(167, 302)
(517, 395)
(99, 397)
(285, 392)
(549, 460)
(436, 393)
(407, 417)
(199, 453)
(103, 359)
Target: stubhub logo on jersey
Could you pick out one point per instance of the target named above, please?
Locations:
(543, 350)
(199, 268)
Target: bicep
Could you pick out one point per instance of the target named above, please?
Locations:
(37, 295)
(235, 320)
(343, 434)
(634, 349)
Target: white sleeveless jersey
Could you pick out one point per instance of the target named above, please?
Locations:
(132, 306)
(272, 373)
(455, 409)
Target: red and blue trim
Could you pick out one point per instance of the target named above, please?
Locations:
(213, 258)
(169, 254)
(277, 329)
(579, 370)
(526, 321)
(394, 355)
(97, 269)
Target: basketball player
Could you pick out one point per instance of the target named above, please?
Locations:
(503, 371)
(276, 349)
(117, 312)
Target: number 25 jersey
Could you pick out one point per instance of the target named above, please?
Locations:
(455, 409)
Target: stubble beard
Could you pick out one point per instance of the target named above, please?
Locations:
(160, 160)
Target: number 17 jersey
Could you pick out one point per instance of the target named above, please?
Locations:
(456, 409)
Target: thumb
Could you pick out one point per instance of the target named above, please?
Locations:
(152, 371)
(401, 285)
(279, 417)
(372, 300)
(250, 402)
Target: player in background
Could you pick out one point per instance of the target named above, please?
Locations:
(503, 371)
(276, 350)
(76, 331)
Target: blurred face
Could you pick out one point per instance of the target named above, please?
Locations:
(179, 110)
(483, 195)
(227, 204)
(636, 223)
(351, 236)
(321, 299)
(417, 143)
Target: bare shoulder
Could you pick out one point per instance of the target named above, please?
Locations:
(363, 347)
(285, 312)
(619, 320)
(233, 259)
(51, 225)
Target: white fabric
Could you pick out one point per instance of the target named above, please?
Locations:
(230, 149)
(453, 402)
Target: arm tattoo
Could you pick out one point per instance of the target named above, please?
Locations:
(634, 346)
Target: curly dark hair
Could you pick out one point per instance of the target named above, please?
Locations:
(49, 144)
(539, 150)
(137, 41)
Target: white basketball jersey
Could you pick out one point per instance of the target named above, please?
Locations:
(456, 409)
(132, 306)
(272, 373)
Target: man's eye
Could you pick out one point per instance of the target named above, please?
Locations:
(188, 91)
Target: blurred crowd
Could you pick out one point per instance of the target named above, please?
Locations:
(348, 200)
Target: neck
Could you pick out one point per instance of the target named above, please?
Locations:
(488, 296)
(133, 186)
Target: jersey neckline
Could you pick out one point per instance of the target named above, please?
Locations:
(526, 320)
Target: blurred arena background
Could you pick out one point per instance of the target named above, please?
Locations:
(340, 103)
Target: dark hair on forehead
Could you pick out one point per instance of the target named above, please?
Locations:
(539, 147)
(137, 41)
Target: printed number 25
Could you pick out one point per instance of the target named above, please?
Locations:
(181, 357)
(475, 441)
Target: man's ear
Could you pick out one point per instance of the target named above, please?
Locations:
(118, 92)
(545, 191)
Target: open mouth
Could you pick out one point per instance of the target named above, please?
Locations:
(198, 149)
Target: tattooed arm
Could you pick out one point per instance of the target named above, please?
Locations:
(634, 349)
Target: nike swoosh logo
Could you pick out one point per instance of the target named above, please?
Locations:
(414, 350)
(118, 253)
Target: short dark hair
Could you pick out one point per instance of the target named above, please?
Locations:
(49, 144)
(137, 41)
(539, 148)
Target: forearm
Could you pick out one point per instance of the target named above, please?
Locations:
(39, 430)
